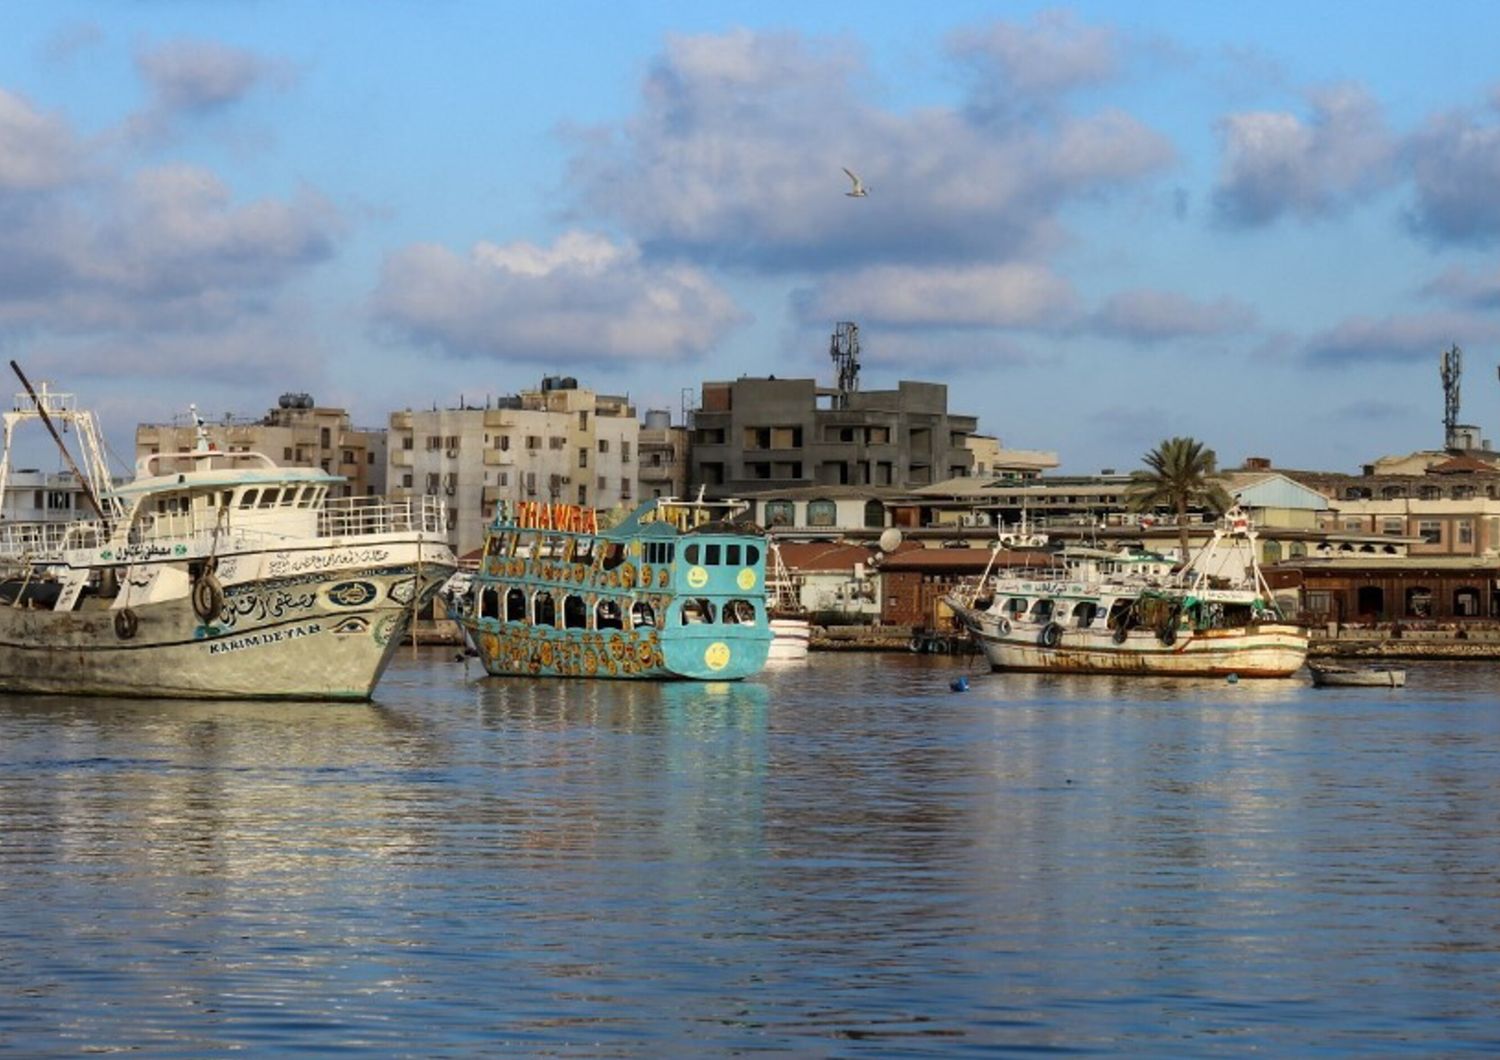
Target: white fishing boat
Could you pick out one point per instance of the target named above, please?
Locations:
(211, 575)
(791, 629)
(1123, 613)
(1328, 675)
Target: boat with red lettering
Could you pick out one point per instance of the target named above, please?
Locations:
(676, 590)
(211, 575)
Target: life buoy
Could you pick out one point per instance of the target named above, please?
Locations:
(126, 624)
(1167, 635)
(208, 596)
(1051, 634)
(1003, 626)
(915, 644)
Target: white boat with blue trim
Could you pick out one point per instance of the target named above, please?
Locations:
(1122, 613)
(211, 575)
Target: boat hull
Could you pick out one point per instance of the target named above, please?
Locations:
(700, 653)
(325, 635)
(1349, 678)
(790, 638)
(1262, 650)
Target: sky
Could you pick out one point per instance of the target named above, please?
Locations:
(1100, 224)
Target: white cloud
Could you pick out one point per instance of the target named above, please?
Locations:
(1149, 316)
(999, 296)
(1277, 163)
(583, 299)
(734, 157)
(37, 151)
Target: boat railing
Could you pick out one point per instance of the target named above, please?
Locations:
(361, 516)
(47, 539)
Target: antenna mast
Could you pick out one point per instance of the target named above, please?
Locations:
(1451, 368)
(844, 349)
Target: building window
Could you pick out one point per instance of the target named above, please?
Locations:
(406, 441)
(583, 419)
(503, 443)
(533, 441)
(556, 441)
(326, 438)
(1319, 602)
(406, 480)
(286, 454)
(780, 513)
(583, 493)
(822, 513)
(1465, 531)
(1419, 602)
(583, 456)
(603, 445)
(1393, 527)
(624, 452)
(502, 478)
(1355, 525)
(1430, 531)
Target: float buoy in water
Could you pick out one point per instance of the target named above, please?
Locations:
(1233, 679)
(959, 684)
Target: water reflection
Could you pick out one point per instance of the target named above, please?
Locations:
(833, 854)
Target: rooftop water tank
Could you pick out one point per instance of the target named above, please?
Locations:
(658, 419)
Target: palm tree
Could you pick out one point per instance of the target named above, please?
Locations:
(1179, 479)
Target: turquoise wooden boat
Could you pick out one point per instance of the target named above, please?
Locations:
(674, 591)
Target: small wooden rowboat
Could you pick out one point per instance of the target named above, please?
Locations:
(1357, 676)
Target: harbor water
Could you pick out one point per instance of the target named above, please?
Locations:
(836, 858)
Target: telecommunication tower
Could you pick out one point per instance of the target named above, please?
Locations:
(844, 349)
(1451, 368)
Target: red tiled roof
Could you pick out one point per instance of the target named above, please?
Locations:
(1462, 463)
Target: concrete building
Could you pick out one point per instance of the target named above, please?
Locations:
(993, 460)
(561, 443)
(755, 433)
(296, 433)
(663, 456)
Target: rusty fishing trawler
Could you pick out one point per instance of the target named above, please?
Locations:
(210, 575)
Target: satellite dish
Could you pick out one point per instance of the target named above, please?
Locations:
(890, 539)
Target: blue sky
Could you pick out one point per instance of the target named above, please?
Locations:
(1100, 224)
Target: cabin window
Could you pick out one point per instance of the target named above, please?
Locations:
(489, 604)
(269, 497)
(543, 610)
(642, 615)
(614, 555)
(575, 612)
(738, 612)
(1041, 611)
(607, 615)
(732, 555)
(696, 611)
(304, 497)
(247, 499)
(710, 555)
(657, 552)
(1083, 613)
(691, 554)
(515, 606)
(752, 555)
(1016, 606)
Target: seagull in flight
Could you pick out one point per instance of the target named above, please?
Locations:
(859, 191)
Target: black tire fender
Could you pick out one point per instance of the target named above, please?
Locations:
(208, 596)
(126, 623)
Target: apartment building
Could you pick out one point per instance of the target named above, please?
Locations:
(560, 443)
(755, 434)
(296, 433)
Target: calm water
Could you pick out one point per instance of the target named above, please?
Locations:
(838, 859)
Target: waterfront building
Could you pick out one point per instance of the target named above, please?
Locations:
(754, 433)
(663, 469)
(296, 433)
(561, 443)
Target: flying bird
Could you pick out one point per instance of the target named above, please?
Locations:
(859, 191)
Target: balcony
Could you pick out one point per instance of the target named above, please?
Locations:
(499, 458)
